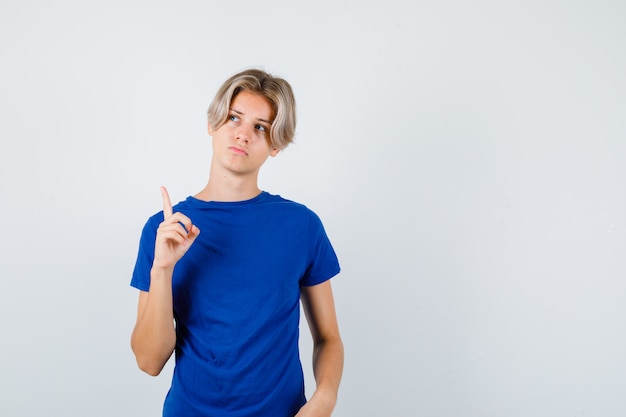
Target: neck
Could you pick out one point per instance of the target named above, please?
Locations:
(224, 187)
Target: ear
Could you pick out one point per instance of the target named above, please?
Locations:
(274, 152)
(210, 129)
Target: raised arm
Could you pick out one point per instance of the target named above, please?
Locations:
(319, 308)
(154, 336)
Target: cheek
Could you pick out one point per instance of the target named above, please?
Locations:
(262, 149)
(222, 133)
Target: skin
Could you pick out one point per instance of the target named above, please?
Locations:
(240, 148)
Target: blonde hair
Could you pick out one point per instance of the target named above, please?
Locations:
(276, 90)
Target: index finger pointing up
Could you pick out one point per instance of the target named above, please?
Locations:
(167, 204)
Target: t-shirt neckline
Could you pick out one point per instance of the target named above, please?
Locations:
(202, 203)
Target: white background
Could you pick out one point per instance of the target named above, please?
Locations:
(467, 159)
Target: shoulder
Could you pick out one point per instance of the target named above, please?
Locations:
(295, 208)
(294, 215)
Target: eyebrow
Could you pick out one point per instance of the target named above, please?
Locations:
(260, 120)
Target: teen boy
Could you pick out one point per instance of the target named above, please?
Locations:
(221, 275)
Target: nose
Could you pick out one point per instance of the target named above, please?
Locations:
(244, 132)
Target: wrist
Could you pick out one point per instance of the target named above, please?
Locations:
(161, 272)
(325, 398)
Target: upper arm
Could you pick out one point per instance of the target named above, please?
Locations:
(319, 308)
(143, 298)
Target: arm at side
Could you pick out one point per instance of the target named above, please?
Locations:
(154, 336)
(319, 308)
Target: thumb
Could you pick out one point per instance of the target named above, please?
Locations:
(193, 233)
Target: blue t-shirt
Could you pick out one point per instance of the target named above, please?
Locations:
(236, 296)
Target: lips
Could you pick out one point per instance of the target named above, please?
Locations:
(237, 150)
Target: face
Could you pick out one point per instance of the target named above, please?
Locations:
(242, 144)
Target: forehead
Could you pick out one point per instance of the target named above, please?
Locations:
(253, 105)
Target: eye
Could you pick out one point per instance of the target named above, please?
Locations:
(233, 118)
(260, 128)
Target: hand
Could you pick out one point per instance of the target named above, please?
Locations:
(314, 408)
(174, 236)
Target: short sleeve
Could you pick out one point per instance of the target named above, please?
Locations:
(145, 255)
(323, 263)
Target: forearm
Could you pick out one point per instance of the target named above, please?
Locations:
(154, 336)
(327, 368)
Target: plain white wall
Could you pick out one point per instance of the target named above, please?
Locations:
(467, 159)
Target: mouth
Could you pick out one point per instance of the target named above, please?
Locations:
(237, 150)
